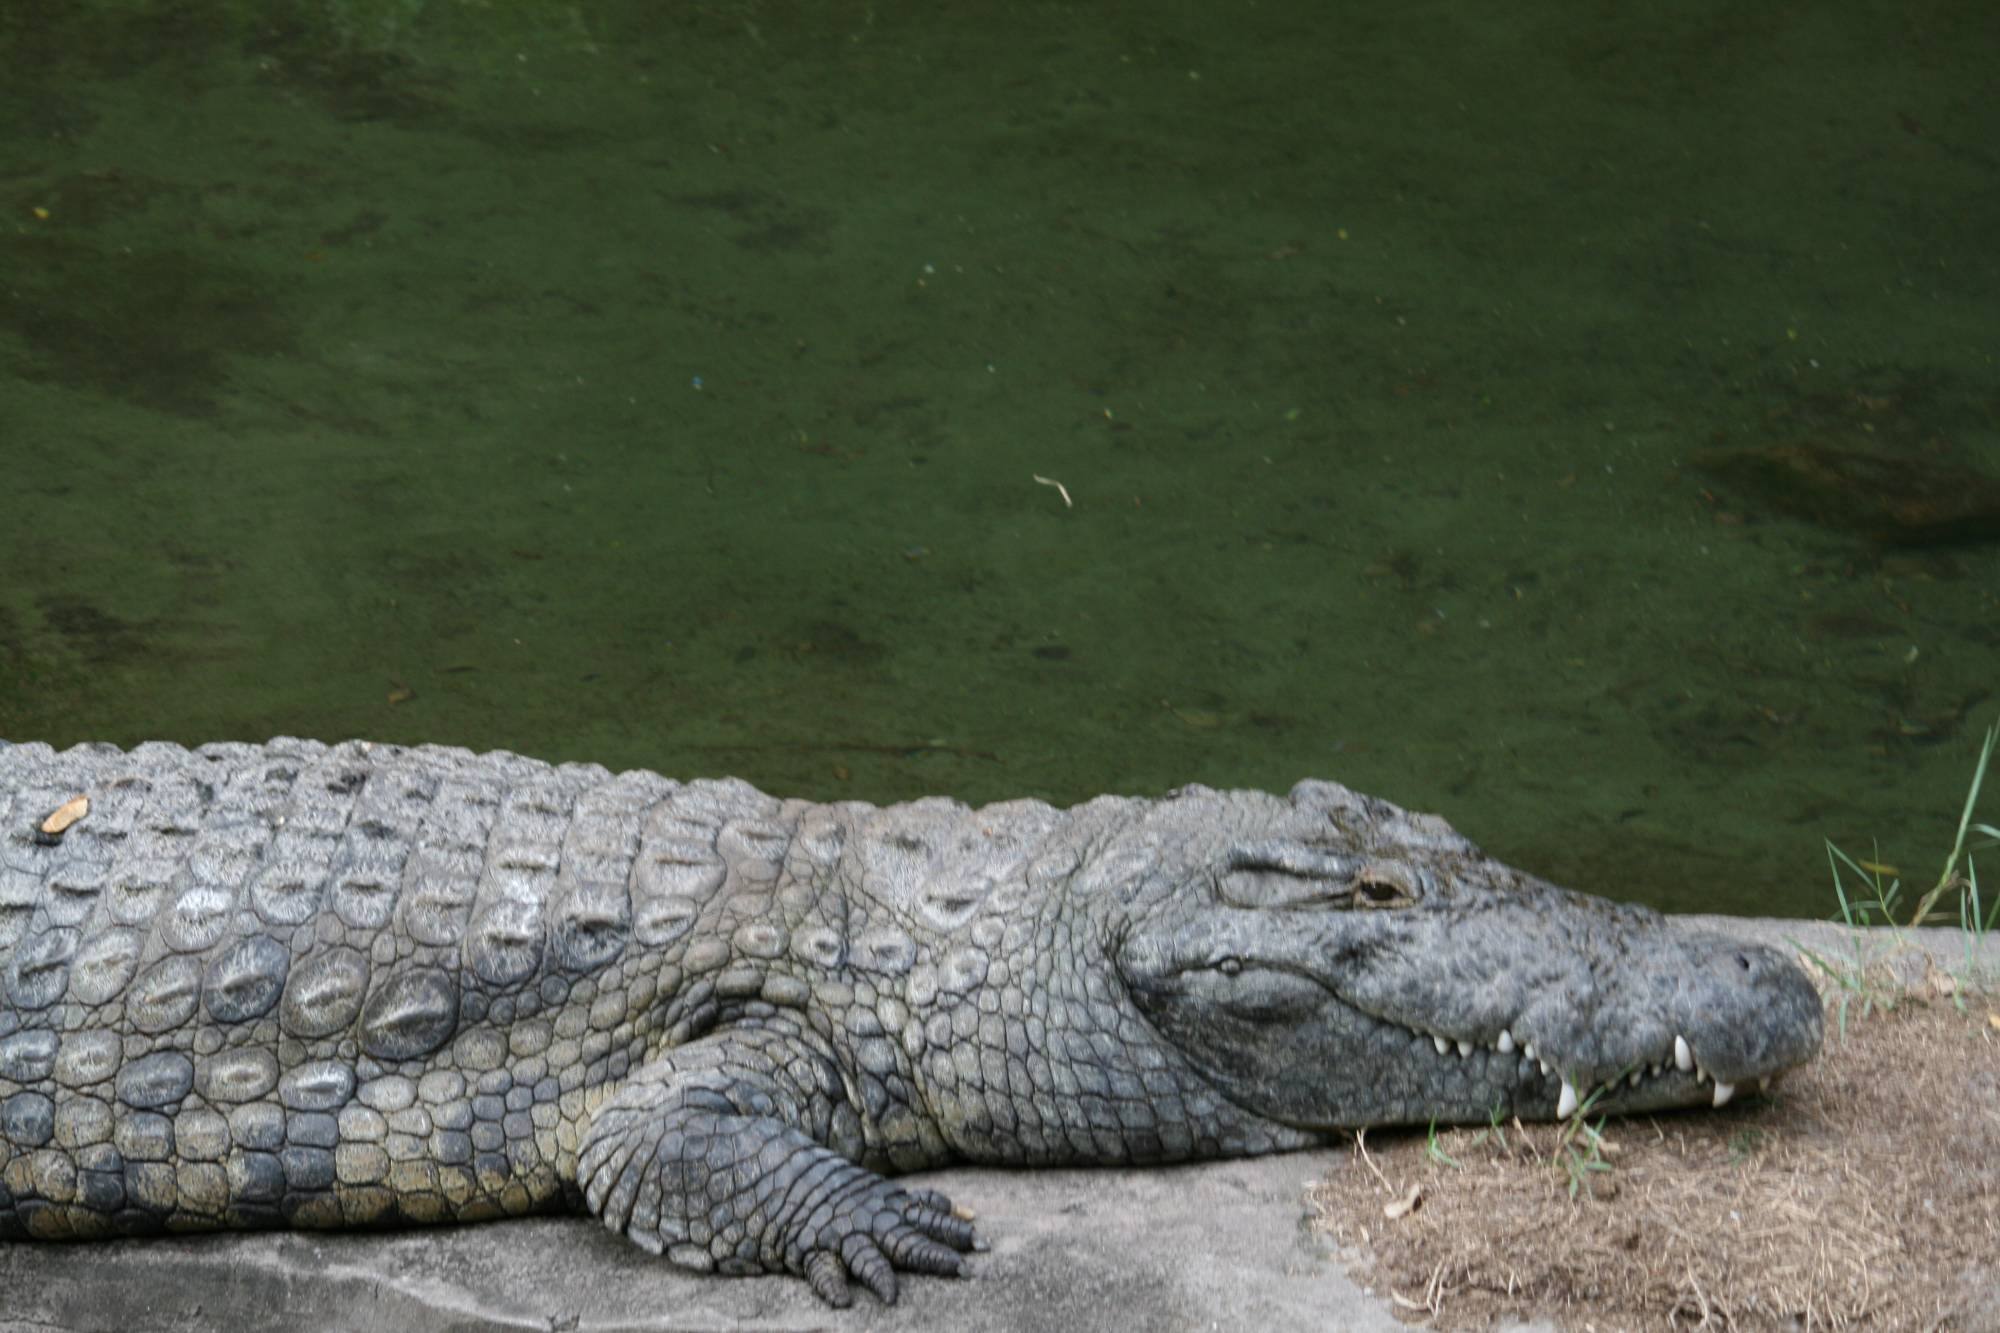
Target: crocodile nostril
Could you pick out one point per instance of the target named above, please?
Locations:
(1743, 961)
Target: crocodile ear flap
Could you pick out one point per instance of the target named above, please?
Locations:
(1379, 824)
(1334, 799)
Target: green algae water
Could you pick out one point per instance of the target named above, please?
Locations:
(1581, 423)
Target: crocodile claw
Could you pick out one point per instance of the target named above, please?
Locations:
(912, 1230)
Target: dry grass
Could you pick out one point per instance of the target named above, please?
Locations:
(1863, 1193)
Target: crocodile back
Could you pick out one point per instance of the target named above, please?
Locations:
(294, 983)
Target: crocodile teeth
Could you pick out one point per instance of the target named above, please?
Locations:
(1683, 1057)
(1723, 1092)
(1441, 1044)
(1547, 1068)
(1632, 1080)
(1464, 1047)
(1566, 1104)
(1528, 1052)
(1506, 1043)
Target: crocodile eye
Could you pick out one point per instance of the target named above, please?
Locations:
(1387, 884)
(1379, 891)
(1230, 967)
(1280, 875)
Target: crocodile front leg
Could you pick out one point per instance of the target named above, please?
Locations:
(734, 1153)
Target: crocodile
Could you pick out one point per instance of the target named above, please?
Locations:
(303, 985)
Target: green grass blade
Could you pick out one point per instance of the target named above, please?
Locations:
(1949, 879)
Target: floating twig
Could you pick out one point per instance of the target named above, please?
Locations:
(861, 747)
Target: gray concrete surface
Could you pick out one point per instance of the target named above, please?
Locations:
(1221, 1245)
(1217, 1246)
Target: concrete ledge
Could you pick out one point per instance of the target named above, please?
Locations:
(1182, 1248)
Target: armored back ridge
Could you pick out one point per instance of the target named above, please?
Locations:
(301, 985)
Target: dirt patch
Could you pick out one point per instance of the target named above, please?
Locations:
(1863, 1192)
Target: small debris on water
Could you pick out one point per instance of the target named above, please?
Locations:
(1201, 719)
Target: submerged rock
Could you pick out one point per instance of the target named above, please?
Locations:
(1901, 499)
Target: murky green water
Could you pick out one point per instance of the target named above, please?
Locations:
(671, 385)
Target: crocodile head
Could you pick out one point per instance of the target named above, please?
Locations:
(1334, 961)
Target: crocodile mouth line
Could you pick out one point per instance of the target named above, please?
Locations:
(1673, 1063)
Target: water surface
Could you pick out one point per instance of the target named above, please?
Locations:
(688, 386)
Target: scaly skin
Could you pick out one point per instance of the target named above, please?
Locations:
(294, 985)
